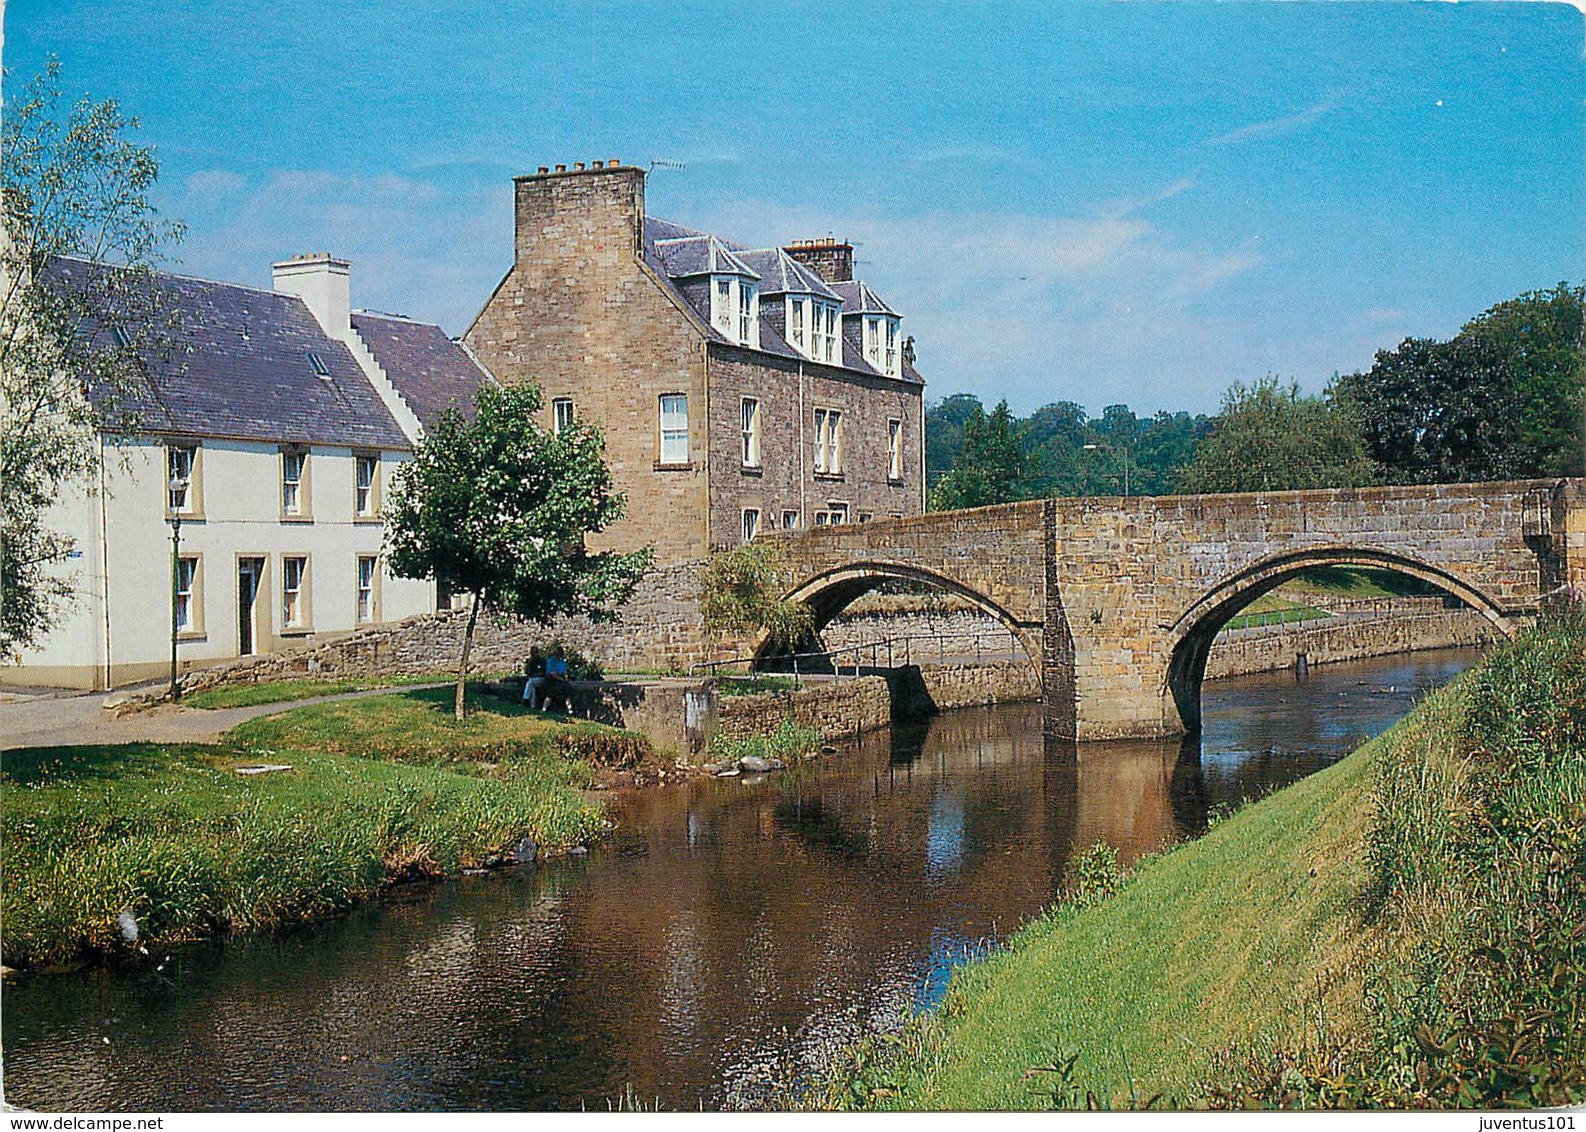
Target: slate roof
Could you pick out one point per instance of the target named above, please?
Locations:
(781, 274)
(242, 370)
(429, 370)
(677, 253)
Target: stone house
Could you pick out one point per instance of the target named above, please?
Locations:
(271, 437)
(740, 390)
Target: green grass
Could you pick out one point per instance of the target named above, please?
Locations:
(380, 788)
(1401, 929)
(1271, 610)
(283, 691)
(1357, 582)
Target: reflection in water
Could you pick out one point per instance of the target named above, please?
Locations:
(729, 934)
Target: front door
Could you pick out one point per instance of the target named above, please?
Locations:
(248, 572)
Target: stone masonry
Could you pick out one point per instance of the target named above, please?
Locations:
(1118, 601)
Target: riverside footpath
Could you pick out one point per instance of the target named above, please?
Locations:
(54, 720)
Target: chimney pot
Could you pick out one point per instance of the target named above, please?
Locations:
(561, 168)
(577, 166)
(545, 168)
(597, 164)
(613, 161)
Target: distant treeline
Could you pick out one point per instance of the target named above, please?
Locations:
(1503, 399)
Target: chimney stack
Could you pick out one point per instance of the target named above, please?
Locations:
(833, 260)
(321, 281)
(604, 200)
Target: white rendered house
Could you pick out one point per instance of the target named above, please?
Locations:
(270, 445)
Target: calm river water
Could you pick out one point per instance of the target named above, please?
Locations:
(727, 936)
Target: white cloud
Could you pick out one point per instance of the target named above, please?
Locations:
(1274, 126)
(427, 248)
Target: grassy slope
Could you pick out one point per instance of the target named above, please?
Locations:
(1200, 944)
(175, 836)
(284, 691)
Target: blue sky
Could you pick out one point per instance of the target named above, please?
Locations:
(1076, 201)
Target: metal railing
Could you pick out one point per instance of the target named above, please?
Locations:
(888, 652)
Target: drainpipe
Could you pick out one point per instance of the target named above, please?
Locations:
(922, 451)
(704, 372)
(804, 512)
(104, 559)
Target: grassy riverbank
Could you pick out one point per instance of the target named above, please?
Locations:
(378, 789)
(1401, 929)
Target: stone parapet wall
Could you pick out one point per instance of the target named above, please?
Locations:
(658, 630)
(1324, 643)
(838, 710)
(975, 685)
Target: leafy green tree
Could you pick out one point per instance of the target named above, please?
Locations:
(1270, 438)
(944, 432)
(740, 592)
(72, 183)
(1501, 399)
(497, 508)
(990, 466)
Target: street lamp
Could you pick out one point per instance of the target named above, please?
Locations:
(175, 487)
(1124, 448)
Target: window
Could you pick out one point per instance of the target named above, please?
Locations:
(828, 442)
(366, 580)
(294, 572)
(179, 462)
(796, 323)
(871, 329)
(866, 516)
(186, 610)
(894, 449)
(366, 469)
(751, 433)
(317, 364)
(790, 520)
(751, 523)
(119, 335)
(561, 414)
(293, 465)
(891, 357)
(747, 313)
(724, 305)
(829, 347)
(834, 515)
(674, 428)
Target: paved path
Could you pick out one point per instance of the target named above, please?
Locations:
(71, 720)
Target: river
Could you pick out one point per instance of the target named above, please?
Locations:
(728, 935)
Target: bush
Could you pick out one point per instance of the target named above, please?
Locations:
(787, 742)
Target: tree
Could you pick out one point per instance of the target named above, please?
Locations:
(497, 508)
(944, 432)
(740, 593)
(1270, 438)
(991, 464)
(69, 355)
(1502, 399)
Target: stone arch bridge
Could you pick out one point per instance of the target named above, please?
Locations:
(1117, 601)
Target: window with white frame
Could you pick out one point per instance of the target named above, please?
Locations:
(751, 432)
(294, 573)
(186, 609)
(890, 356)
(365, 469)
(872, 338)
(834, 514)
(366, 580)
(828, 442)
(748, 313)
(751, 523)
(894, 449)
(826, 345)
(561, 414)
(723, 306)
(795, 322)
(674, 428)
(790, 520)
(180, 461)
(294, 464)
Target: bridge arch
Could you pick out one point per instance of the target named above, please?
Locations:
(1191, 636)
(829, 592)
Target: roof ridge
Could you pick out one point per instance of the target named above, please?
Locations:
(182, 275)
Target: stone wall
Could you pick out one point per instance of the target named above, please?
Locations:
(1326, 643)
(837, 710)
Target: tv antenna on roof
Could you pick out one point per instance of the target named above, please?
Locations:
(657, 163)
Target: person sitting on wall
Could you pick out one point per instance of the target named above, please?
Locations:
(534, 678)
(556, 685)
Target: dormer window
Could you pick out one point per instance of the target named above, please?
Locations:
(748, 313)
(812, 328)
(825, 345)
(795, 322)
(881, 344)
